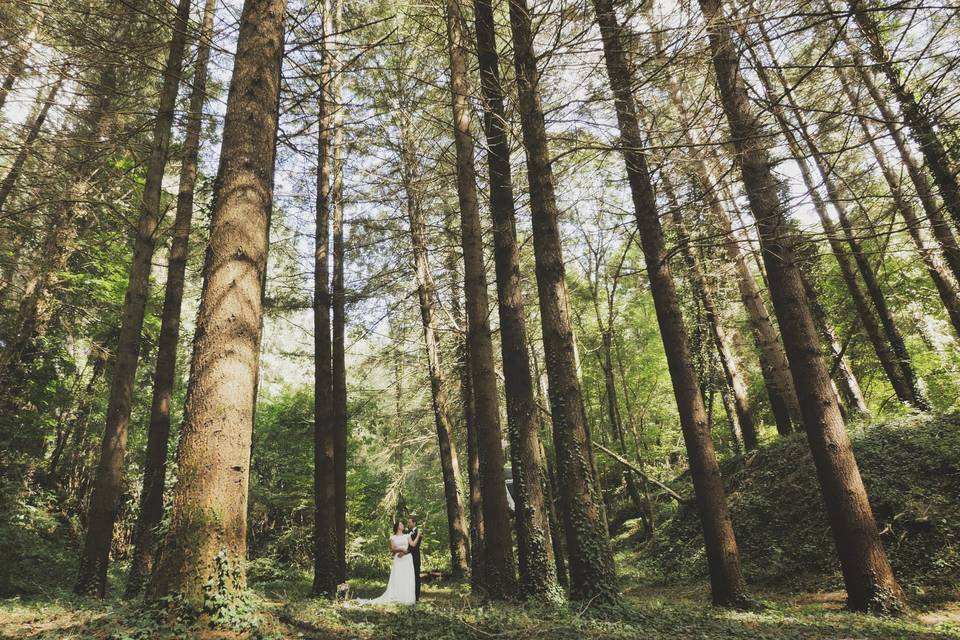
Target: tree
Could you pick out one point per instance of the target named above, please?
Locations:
(208, 521)
(867, 573)
(158, 431)
(106, 489)
(411, 179)
(326, 554)
(918, 178)
(726, 579)
(904, 378)
(592, 572)
(773, 361)
(498, 563)
(535, 549)
(883, 335)
(89, 140)
(338, 350)
(919, 122)
(946, 286)
(736, 384)
(37, 120)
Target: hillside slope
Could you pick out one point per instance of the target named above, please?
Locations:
(911, 467)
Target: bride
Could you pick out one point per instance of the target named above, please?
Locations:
(401, 587)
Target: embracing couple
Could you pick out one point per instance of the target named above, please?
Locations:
(403, 587)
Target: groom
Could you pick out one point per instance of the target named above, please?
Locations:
(415, 537)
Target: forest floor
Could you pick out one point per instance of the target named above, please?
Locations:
(448, 612)
(911, 467)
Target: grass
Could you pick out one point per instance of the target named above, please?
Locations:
(449, 612)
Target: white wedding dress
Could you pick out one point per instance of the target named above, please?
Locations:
(402, 585)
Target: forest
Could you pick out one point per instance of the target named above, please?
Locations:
(641, 315)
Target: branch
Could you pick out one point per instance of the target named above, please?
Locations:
(629, 465)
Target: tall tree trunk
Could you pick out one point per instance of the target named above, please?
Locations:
(552, 495)
(326, 565)
(158, 433)
(331, 196)
(208, 525)
(499, 570)
(773, 361)
(946, 286)
(426, 291)
(912, 392)
(941, 228)
(867, 573)
(104, 501)
(462, 367)
(847, 384)
(473, 467)
(339, 350)
(726, 579)
(36, 126)
(881, 346)
(592, 571)
(721, 339)
(537, 565)
(915, 114)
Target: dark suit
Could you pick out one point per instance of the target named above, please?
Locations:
(415, 552)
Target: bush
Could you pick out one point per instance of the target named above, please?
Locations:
(37, 546)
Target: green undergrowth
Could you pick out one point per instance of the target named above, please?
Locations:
(911, 468)
(448, 612)
(37, 544)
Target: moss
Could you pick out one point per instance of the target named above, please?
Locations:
(911, 468)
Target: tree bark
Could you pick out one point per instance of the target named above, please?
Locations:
(867, 573)
(326, 555)
(592, 571)
(426, 291)
(946, 286)
(158, 433)
(339, 351)
(208, 523)
(726, 579)
(104, 501)
(499, 569)
(537, 565)
(915, 114)
(473, 468)
(556, 530)
(462, 368)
